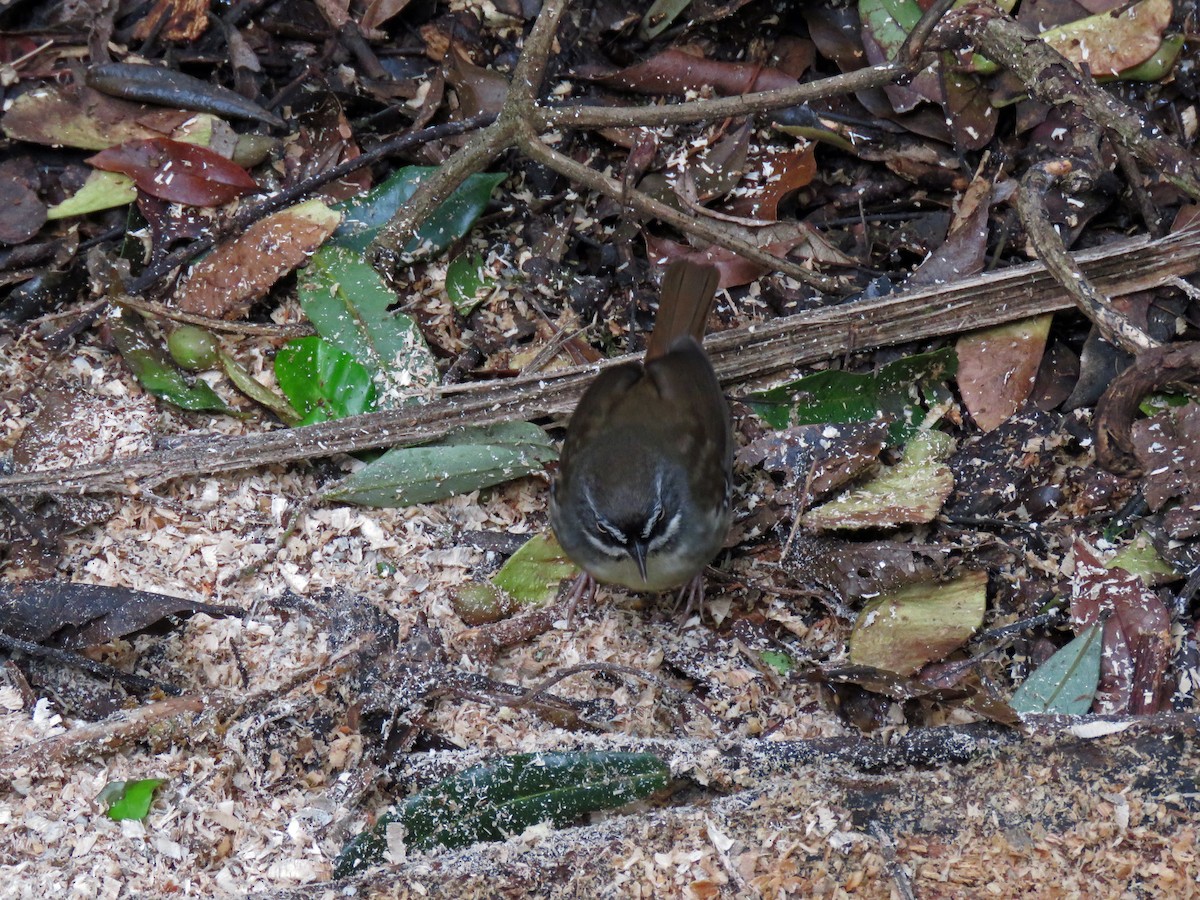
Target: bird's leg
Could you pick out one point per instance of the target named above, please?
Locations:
(582, 588)
(693, 593)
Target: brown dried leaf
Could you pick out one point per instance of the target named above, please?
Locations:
(239, 271)
(324, 139)
(1167, 446)
(80, 117)
(781, 174)
(821, 458)
(1001, 470)
(1137, 633)
(480, 91)
(1107, 43)
(963, 252)
(997, 368)
(911, 492)
(22, 212)
(72, 615)
(864, 569)
(380, 11)
(186, 21)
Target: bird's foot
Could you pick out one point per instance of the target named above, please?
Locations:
(693, 593)
(582, 588)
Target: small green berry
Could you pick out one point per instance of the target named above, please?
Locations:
(194, 348)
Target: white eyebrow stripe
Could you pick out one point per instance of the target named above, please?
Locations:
(668, 533)
(603, 546)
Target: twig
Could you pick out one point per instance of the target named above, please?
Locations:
(648, 207)
(91, 666)
(257, 329)
(888, 848)
(125, 727)
(1114, 327)
(1051, 78)
(101, 737)
(535, 692)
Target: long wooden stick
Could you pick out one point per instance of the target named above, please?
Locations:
(739, 355)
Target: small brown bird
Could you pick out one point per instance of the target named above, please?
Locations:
(642, 495)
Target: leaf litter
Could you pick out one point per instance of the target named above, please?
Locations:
(1024, 498)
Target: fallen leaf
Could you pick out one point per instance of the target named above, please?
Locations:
(912, 491)
(237, 272)
(186, 21)
(1106, 44)
(72, 615)
(1137, 633)
(81, 117)
(903, 630)
(176, 171)
(677, 72)
(997, 368)
(1065, 683)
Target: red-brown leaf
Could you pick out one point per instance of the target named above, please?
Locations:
(1137, 633)
(178, 172)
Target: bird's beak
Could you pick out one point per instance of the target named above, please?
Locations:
(638, 551)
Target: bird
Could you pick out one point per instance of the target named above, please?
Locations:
(642, 495)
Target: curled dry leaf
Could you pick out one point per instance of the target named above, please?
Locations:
(1154, 369)
(1137, 634)
(239, 271)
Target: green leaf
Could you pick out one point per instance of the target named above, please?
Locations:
(531, 576)
(1156, 402)
(366, 215)
(832, 396)
(492, 801)
(889, 21)
(347, 302)
(780, 662)
(154, 369)
(465, 460)
(322, 382)
(659, 17)
(101, 190)
(1139, 558)
(1066, 682)
(465, 282)
(906, 628)
(256, 390)
(129, 799)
